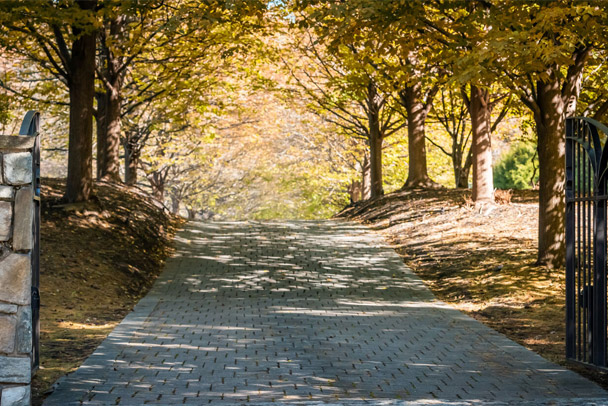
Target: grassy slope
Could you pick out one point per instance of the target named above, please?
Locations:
(97, 260)
(479, 262)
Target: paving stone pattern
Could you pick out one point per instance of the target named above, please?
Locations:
(306, 313)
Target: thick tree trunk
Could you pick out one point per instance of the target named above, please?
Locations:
(480, 111)
(550, 127)
(131, 162)
(82, 92)
(375, 149)
(366, 179)
(100, 123)
(417, 176)
(111, 145)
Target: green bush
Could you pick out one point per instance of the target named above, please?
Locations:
(516, 167)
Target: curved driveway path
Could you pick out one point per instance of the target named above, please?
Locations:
(306, 313)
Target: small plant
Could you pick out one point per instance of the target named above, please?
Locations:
(502, 196)
(518, 168)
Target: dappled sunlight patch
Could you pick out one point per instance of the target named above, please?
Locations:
(85, 326)
(328, 312)
(479, 263)
(97, 259)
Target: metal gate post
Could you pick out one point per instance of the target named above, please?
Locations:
(570, 243)
(599, 277)
(31, 127)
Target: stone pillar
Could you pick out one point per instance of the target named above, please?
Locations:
(16, 246)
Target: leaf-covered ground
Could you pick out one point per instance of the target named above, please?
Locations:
(479, 261)
(98, 259)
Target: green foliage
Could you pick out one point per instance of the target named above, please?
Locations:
(518, 168)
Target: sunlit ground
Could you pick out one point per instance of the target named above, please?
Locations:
(481, 262)
(301, 311)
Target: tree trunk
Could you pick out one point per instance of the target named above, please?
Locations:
(375, 152)
(480, 109)
(158, 191)
(174, 205)
(456, 161)
(82, 91)
(157, 182)
(100, 123)
(465, 170)
(550, 127)
(356, 191)
(110, 165)
(417, 176)
(131, 162)
(366, 178)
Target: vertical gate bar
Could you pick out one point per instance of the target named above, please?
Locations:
(585, 245)
(30, 126)
(36, 259)
(583, 258)
(591, 242)
(578, 231)
(570, 259)
(579, 238)
(603, 322)
(599, 275)
(590, 229)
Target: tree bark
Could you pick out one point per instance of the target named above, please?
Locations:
(157, 182)
(417, 176)
(100, 123)
(464, 171)
(174, 205)
(550, 127)
(354, 191)
(366, 179)
(131, 162)
(480, 111)
(110, 165)
(375, 151)
(82, 91)
(112, 77)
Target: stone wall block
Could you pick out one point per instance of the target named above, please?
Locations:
(6, 192)
(8, 308)
(17, 168)
(16, 396)
(6, 220)
(15, 370)
(24, 216)
(24, 331)
(8, 327)
(15, 279)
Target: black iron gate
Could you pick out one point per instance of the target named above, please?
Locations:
(586, 181)
(30, 127)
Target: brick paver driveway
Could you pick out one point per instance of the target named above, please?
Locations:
(306, 312)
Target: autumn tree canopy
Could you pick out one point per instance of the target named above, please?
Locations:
(297, 108)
